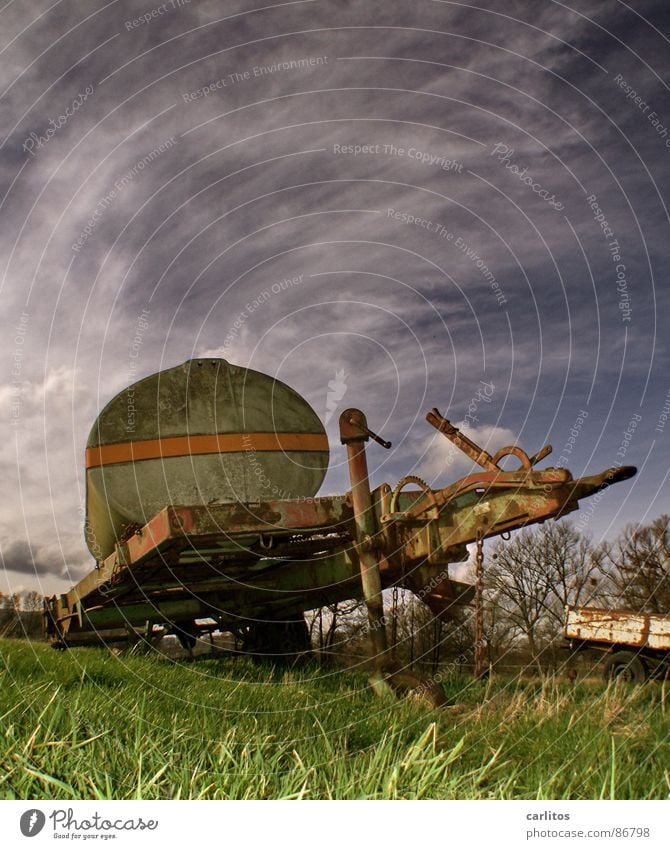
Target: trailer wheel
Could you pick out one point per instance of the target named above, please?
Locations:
(625, 666)
(281, 643)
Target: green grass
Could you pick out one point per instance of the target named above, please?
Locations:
(87, 725)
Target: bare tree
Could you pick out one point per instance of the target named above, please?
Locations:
(518, 579)
(334, 624)
(572, 568)
(531, 579)
(32, 600)
(499, 631)
(637, 565)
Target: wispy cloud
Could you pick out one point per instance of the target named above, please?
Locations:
(351, 147)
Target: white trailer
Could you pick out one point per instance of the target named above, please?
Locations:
(637, 644)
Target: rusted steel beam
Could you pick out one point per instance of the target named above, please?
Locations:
(172, 524)
(460, 440)
(289, 585)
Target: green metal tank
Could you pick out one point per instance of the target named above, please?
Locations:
(203, 432)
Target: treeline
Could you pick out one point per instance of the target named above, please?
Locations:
(531, 579)
(21, 614)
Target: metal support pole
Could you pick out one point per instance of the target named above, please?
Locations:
(354, 434)
(369, 564)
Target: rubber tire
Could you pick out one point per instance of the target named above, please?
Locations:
(625, 666)
(281, 643)
(186, 631)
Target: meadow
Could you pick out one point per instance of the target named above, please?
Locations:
(86, 724)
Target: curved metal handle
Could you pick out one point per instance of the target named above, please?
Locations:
(513, 451)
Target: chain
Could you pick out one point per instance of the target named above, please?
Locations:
(394, 620)
(479, 608)
(437, 644)
(411, 631)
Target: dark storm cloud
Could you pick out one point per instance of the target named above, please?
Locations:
(19, 556)
(423, 168)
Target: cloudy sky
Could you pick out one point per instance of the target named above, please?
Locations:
(397, 203)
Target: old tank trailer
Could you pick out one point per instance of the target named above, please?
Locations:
(201, 505)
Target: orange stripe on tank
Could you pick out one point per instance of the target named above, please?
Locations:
(214, 443)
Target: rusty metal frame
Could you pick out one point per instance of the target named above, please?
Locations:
(231, 561)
